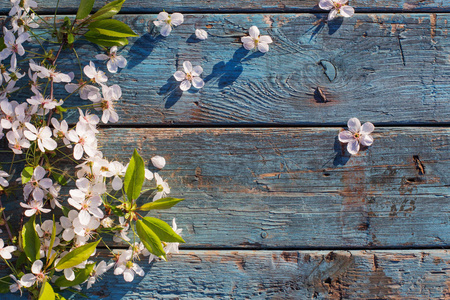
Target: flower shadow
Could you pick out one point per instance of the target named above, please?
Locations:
(142, 48)
(227, 73)
(193, 39)
(342, 156)
(172, 92)
(334, 25)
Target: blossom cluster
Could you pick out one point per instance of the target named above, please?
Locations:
(103, 196)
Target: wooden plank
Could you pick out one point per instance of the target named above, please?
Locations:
(286, 275)
(387, 69)
(293, 187)
(192, 6)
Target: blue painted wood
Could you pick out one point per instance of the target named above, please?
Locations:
(294, 187)
(387, 69)
(213, 6)
(285, 275)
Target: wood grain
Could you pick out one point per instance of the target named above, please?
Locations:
(214, 6)
(295, 188)
(388, 69)
(285, 275)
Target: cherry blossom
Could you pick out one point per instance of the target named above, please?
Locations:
(96, 75)
(356, 135)
(190, 76)
(114, 61)
(3, 181)
(5, 252)
(84, 139)
(36, 276)
(17, 141)
(256, 40)
(337, 7)
(43, 137)
(127, 267)
(162, 188)
(13, 45)
(16, 286)
(166, 21)
(87, 199)
(35, 207)
(98, 271)
(37, 184)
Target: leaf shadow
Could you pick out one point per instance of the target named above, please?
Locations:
(142, 48)
(227, 73)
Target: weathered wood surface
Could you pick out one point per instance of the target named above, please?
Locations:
(387, 69)
(214, 6)
(294, 187)
(286, 275)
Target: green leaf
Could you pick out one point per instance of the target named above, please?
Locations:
(112, 27)
(150, 239)
(134, 177)
(163, 230)
(26, 174)
(30, 238)
(163, 203)
(47, 292)
(108, 10)
(80, 276)
(104, 40)
(70, 38)
(65, 211)
(59, 178)
(77, 256)
(2, 43)
(84, 9)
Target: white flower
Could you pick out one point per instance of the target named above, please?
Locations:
(99, 270)
(37, 275)
(190, 75)
(67, 224)
(87, 199)
(162, 188)
(92, 73)
(17, 141)
(84, 139)
(127, 267)
(13, 45)
(107, 222)
(3, 181)
(37, 184)
(5, 252)
(60, 130)
(115, 61)
(117, 170)
(356, 135)
(173, 247)
(86, 91)
(337, 7)
(201, 34)
(158, 161)
(111, 94)
(50, 73)
(89, 120)
(16, 286)
(19, 5)
(85, 230)
(256, 40)
(166, 21)
(43, 137)
(34, 208)
(122, 235)
(46, 103)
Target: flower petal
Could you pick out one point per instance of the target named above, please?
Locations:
(177, 19)
(366, 140)
(166, 29)
(185, 85)
(346, 136)
(187, 66)
(179, 75)
(354, 125)
(326, 4)
(254, 32)
(196, 71)
(263, 47)
(347, 11)
(37, 266)
(353, 147)
(332, 14)
(367, 128)
(197, 82)
(158, 161)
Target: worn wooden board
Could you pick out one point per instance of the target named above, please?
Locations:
(295, 188)
(286, 275)
(213, 6)
(387, 69)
